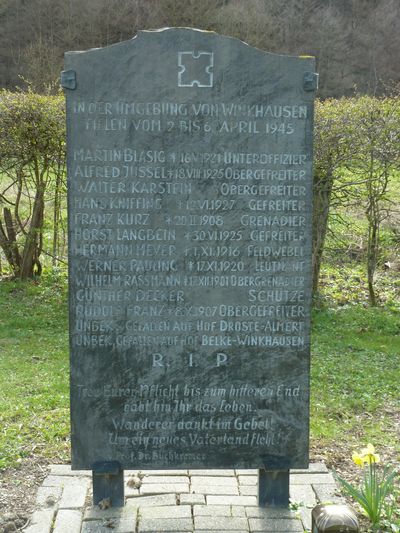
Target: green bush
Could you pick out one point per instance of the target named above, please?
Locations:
(356, 179)
(32, 176)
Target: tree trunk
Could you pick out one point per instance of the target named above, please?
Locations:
(56, 219)
(8, 242)
(372, 252)
(30, 256)
(322, 198)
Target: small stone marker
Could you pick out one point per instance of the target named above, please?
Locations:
(334, 519)
(190, 179)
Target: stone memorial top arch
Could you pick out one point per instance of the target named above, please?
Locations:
(189, 177)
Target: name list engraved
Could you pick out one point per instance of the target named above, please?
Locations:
(128, 221)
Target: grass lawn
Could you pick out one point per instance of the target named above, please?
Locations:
(355, 378)
(34, 375)
(355, 375)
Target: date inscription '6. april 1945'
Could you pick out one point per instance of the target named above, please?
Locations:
(189, 179)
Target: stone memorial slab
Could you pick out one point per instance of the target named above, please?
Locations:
(189, 179)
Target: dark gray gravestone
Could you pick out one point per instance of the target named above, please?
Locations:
(189, 163)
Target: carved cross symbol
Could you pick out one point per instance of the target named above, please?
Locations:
(195, 69)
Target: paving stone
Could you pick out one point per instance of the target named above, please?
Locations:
(95, 526)
(231, 500)
(212, 510)
(269, 512)
(218, 510)
(165, 479)
(41, 521)
(61, 481)
(304, 479)
(155, 525)
(305, 515)
(74, 481)
(154, 488)
(314, 467)
(73, 497)
(159, 472)
(230, 481)
(191, 499)
(303, 494)
(248, 480)
(112, 525)
(47, 497)
(213, 472)
(122, 525)
(54, 481)
(179, 511)
(68, 521)
(220, 523)
(95, 513)
(277, 525)
(248, 490)
(61, 470)
(100, 526)
(65, 470)
(213, 489)
(130, 491)
(136, 473)
(144, 501)
(327, 493)
(246, 472)
(238, 510)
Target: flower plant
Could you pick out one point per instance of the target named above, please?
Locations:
(375, 493)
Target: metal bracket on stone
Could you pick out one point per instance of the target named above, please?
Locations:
(310, 81)
(273, 481)
(68, 79)
(108, 484)
(273, 488)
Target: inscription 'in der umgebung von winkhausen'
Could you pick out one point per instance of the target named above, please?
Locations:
(188, 256)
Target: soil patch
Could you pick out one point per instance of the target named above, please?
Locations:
(18, 487)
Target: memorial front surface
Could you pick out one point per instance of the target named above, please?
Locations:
(189, 176)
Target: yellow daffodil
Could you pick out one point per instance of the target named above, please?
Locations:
(369, 454)
(366, 456)
(358, 460)
(372, 458)
(377, 488)
(369, 450)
